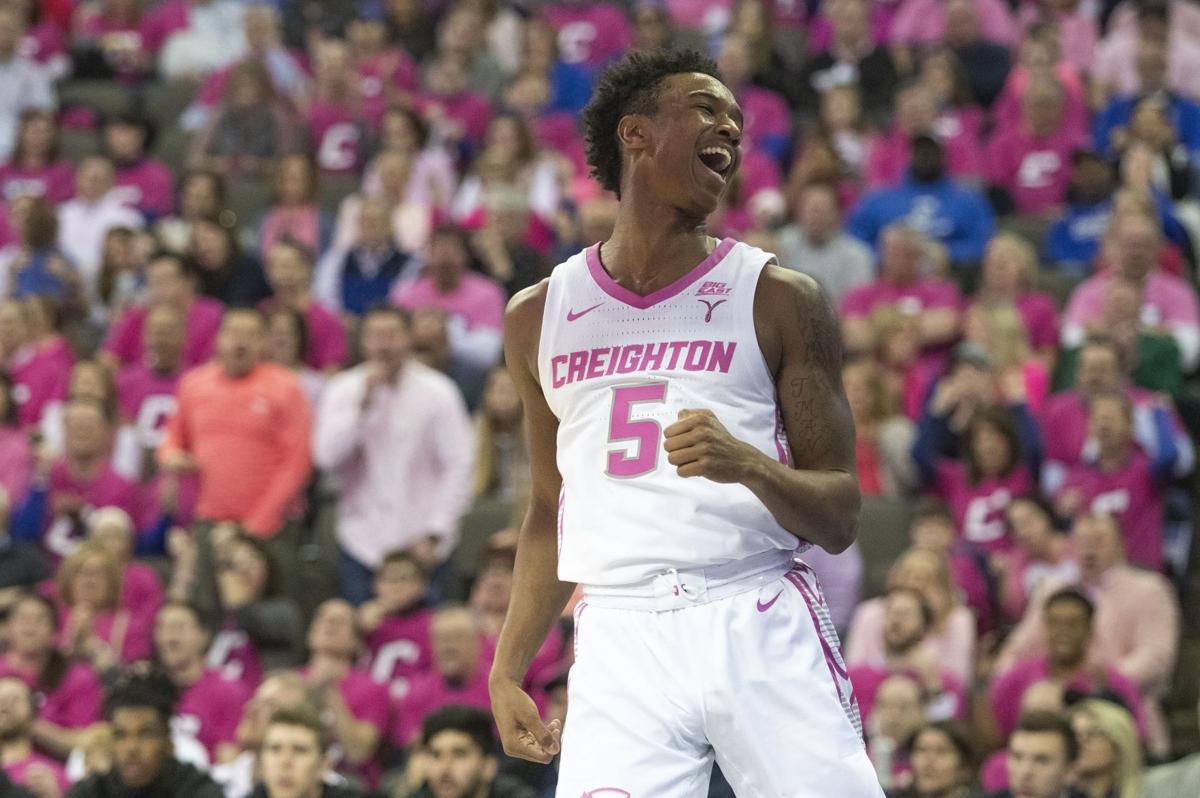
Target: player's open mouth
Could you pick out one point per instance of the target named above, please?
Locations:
(717, 160)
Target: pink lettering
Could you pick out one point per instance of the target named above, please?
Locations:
(676, 349)
(722, 356)
(697, 355)
(629, 358)
(612, 360)
(578, 366)
(555, 362)
(654, 357)
(596, 363)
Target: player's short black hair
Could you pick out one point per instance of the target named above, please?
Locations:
(474, 722)
(630, 86)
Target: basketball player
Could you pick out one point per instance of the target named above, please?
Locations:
(688, 438)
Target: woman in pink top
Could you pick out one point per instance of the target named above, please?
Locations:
(141, 593)
(40, 373)
(1076, 23)
(1039, 59)
(290, 273)
(952, 634)
(34, 168)
(1000, 331)
(959, 117)
(295, 213)
(16, 455)
(95, 628)
(68, 693)
(112, 28)
(412, 219)
(1040, 552)
(1010, 270)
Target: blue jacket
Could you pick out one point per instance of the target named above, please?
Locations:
(1183, 114)
(1072, 242)
(958, 217)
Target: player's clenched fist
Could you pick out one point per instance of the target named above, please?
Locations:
(698, 445)
(521, 729)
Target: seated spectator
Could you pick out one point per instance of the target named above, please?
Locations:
(501, 460)
(901, 283)
(1030, 164)
(459, 675)
(851, 45)
(333, 111)
(23, 566)
(1103, 367)
(1114, 66)
(898, 715)
(34, 169)
(456, 751)
(1068, 616)
(257, 629)
(243, 425)
(1041, 757)
(883, 436)
(767, 124)
(815, 243)
(943, 762)
(224, 271)
(36, 265)
(25, 84)
(892, 154)
(1110, 128)
(395, 623)
(1073, 242)
(122, 266)
(23, 764)
(1168, 303)
(1040, 60)
(201, 195)
(505, 242)
(67, 693)
(193, 38)
(16, 454)
(383, 69)
(38, 364)
(287, 340)
(83, 222)
(592, 33)
(949, 213)
(998, 331)
(923, 22)
(433, 178)
(139, 710)
(932, 528)
(985, 63)
(143, 181)
(456, 113)
(146, 389)
(289, 270)
(940, 71)
(1119, 479)
(906, 623)
(474, 303)
(1041, 554)
(96, 629)
(994, 468)
(1009, 276)
(170, 282)
(1177, 778)
(281, 691)
(295, 753)
(1124, 597)
(249, 129)
(952, 631)
(294, 213)
(1110, 757)
(409, 212)
(357, 436)
(356, 703)
(363, 274)
(107, 40)
(140, 592)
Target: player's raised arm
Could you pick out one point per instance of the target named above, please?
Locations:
(538, 597)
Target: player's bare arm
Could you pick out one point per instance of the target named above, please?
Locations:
(816, 496)
(538, 597)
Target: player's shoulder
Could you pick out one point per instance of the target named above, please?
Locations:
(788, 289)
(527, 305)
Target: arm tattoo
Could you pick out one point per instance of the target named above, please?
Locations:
(824, 338)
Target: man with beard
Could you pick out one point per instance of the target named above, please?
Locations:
(21, 763)
(456, 759)
(144, 764)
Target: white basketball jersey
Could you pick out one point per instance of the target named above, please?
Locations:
(616, 369)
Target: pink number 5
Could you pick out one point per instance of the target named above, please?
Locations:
(647, 432)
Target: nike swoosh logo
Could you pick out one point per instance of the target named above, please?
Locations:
(572, 315)
(764, 607)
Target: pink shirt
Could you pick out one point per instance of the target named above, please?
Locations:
(958, 130)
(161, 21)
(73, 704)
(1167, 302)
(125, 340)
(146, 399)
(326, 335)
(1077, 31)
(1135, 500)
(147, 185)
(18, 771)
(55, 182)
(132, 639)
(914, 298)
(766, 114)
(1075, 114)
(867, 680)
(106, 489)
(1040, 316)
(477, 302)
(591, 33)
(1023, 576)
(1114, 63)
(391, 68)
(1034, 169)
(141, 592)
(40, 376)
(979, 509)
(398, 650)
(368, 702)
(301, 224)
(1066, 413)
(16, 463)
(954, 647)
(233, 656)
(336, 133)
(430, 692)
(211, 709)
(923, 22)
(469, 111)
(1007, 689)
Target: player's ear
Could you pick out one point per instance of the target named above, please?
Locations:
(633, 132)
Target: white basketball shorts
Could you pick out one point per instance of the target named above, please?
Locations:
(738, 663)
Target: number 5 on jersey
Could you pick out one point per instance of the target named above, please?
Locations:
(646, 433)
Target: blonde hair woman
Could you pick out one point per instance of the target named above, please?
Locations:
(1000, 330)
(883, 437)
(1110, 758)
(1010, 274)
(94, 626)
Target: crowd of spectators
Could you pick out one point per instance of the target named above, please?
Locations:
(254, 257)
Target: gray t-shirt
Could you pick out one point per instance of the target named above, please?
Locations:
(841, 264)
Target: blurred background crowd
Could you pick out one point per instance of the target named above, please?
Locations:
(260, 466)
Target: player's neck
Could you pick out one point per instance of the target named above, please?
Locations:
(652, 247)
